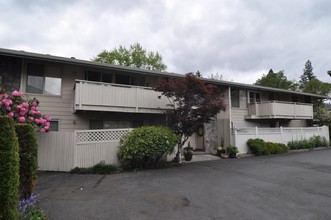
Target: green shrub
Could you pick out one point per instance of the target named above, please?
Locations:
(256, 146)
(145, 146)
(232, 151)
(97, 169)
(28, 151)
(33, 213)
(260, 147)
(313, 142)
(9, 170)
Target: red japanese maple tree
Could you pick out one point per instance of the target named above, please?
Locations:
(194, 103)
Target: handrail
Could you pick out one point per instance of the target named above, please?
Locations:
(113, 84)
(281, 102)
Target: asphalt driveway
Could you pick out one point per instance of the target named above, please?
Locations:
(291, 186)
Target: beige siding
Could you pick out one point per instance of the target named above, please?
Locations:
(61, 107)
(223, 121)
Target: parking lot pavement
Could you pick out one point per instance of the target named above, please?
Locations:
(290, 186)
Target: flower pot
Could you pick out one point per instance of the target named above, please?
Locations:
(188, 156)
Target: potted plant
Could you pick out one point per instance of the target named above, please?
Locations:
(232, 151)
(221, 151)
(188, 152)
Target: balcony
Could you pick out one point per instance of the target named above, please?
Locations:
(279, 110)
(97, 96)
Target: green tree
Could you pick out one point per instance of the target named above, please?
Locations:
(307, 74)
(135, 56)
(321, 114)
(194, 103)
(316, 86)
(276, 80)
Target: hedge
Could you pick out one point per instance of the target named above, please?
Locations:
(260, 147)
(313, 142)
(28, 152)
(145, 146)
(9, 170)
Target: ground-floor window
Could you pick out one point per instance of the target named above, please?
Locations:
(55, 125)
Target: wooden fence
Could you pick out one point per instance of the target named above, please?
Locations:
(62, 151)
(240, 136)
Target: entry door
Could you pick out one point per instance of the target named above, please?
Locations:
(199, 139)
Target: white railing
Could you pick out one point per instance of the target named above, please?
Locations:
(99, 96)
(278, 109)
(240, 136)
(63, 151)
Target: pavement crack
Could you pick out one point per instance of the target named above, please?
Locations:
(99, 181)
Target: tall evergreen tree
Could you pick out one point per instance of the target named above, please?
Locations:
(307, 74)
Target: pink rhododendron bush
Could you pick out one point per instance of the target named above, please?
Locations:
(23, 110)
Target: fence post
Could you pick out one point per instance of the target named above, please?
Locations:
(235, 137)
(256, 132)
(302, 134)
(281, 133)
(74, 144)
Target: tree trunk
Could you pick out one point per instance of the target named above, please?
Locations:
(180, 147)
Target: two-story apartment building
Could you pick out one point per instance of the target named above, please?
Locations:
(87, 95)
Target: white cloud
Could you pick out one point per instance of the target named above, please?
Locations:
(240, 39)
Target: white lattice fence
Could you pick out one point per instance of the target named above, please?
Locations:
(100, 136)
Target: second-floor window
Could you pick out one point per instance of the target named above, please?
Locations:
(238, 98)
(118, 78)
(254, 97)
(40, 81)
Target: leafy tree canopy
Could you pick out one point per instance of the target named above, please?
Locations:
(316, 86)
(135, 56)
(276, 80)
(194, 102)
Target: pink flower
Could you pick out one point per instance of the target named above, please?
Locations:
(7, 102)
(31, 118)
(37, 121)
(25, 105)
(36, 112)
(8, 108)
(17, 94)
(21, 119)
(10, 114)
(48, 117)
(34, 104)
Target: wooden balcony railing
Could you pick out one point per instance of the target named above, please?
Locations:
(97, 96)
(278, 109)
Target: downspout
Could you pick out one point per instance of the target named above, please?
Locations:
(230, 116)
(22, 87)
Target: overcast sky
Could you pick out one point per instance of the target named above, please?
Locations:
(240, 39)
